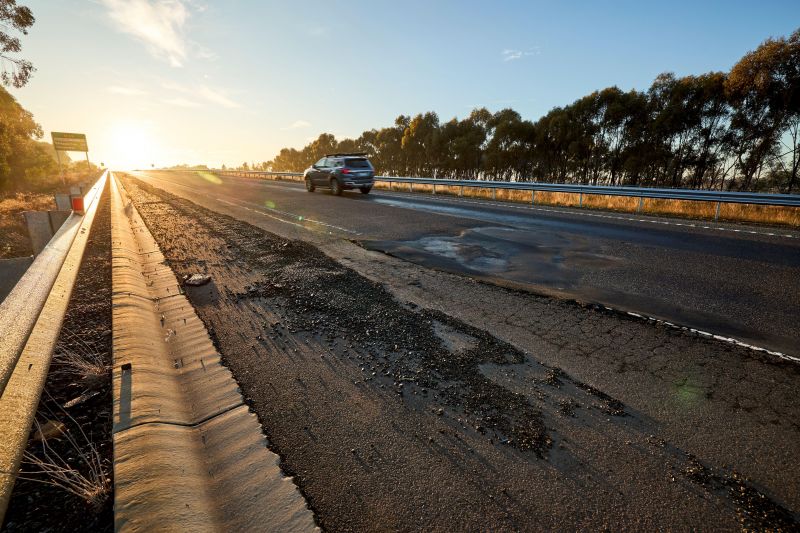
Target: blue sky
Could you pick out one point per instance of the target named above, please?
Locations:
(201, 81)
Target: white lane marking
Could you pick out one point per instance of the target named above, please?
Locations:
(287, 213)
(262, 213)
(563, 211)
(707, 334)
(260, 210)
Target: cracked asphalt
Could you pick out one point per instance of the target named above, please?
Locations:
(737, 281)
(634, 424)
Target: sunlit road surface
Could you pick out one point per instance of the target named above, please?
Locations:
(739, 282)
(417, 398)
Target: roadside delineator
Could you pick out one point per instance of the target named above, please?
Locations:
(77, 204)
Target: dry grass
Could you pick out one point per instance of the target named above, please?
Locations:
(772, 215)
(92, 484)
(14, 239)
(508, 195)
(77, 361)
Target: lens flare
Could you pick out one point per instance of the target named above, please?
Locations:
(209, 177)
(688, 393)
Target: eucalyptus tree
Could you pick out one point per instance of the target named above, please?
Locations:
(764, 90)
(15, 71)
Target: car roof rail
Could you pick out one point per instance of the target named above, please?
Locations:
(358, 154)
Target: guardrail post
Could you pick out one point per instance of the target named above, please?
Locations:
(580, 200)
(533, 197)
(716, 215)
(641, 203)
(434, 188)
(411, 187)
(461, 191)
(494, 194)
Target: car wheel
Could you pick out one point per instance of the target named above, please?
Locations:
(309, 186)
(336, 189)
(365, 190)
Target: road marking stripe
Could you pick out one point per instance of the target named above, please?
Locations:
(260, 208)
(707, 334)
(299, 217)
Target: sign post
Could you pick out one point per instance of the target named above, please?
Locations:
(69, 142)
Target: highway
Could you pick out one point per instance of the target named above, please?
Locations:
(400, 396)
(734, 281)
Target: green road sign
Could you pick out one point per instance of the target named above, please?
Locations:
(69, 142)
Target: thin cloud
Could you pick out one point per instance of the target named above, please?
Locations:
(204, 53)
(297, 124)
(216, 97)
(174, 86)
(126, 91)
(202, 92)
(512, 55)
(181, 102)
(157, 23)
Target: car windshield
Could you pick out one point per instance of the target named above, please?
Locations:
(359, 162)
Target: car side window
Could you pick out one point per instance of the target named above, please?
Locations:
(320, 163)
(338, 163)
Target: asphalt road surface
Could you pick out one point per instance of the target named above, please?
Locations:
(734, 281)
(403, 397)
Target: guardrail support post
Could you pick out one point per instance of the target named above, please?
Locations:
(461, 191)
(434, 188)
(641, 203)
(716, 215)
(580, 200)
(411, 187)
(533, 197)
(494, 194)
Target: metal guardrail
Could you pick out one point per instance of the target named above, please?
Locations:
(21, 308)
(30, 321)
(732, 197)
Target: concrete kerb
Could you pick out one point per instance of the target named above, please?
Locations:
(188, 454)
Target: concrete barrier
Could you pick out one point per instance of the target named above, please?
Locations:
(11, 270)
(188, 454)
(39, 229)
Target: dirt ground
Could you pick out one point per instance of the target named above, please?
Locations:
(395, 416)
(14, 240)
(78, 398)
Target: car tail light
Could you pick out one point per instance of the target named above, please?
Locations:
(345, 171)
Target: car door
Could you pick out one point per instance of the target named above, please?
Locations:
(328, 171)
(318, 173)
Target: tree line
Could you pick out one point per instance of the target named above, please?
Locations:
(26, 163)
(727, 131)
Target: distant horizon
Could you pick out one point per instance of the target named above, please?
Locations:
(204, 83)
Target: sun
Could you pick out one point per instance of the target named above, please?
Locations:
(131, 146)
